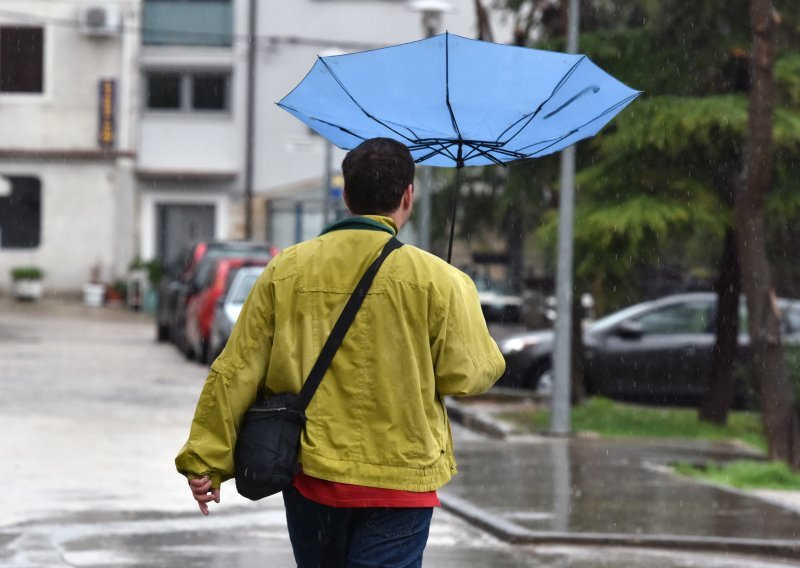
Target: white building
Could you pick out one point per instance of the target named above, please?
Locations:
(67, 98)
(190, 151)
(165, 165)
(191, 161)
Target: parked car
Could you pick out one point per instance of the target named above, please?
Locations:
(499, 304)
(212, 280)
(173, 290)
(657, 350)
(240, 282)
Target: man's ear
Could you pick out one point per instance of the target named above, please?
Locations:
(346, 201)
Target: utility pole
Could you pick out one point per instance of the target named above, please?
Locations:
(431, 12)
(250, 121)
(562, 371)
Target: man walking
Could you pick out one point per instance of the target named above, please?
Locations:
(377, 443)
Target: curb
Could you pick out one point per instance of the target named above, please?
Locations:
(514, 534)
(476, 421)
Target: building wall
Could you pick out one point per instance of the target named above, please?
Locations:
(192, 158)
(78, 229)
(87, 200)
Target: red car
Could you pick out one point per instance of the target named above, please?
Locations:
(200, 307)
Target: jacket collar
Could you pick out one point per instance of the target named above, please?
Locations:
(363, 222)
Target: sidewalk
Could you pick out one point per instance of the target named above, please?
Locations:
(532, 489)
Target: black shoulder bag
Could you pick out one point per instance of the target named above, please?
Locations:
(269, 437)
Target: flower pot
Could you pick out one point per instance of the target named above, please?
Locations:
(94, 294)
(27, 290)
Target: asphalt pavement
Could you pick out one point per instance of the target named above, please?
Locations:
(93, 410)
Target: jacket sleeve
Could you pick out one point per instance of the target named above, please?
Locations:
(231, 388)
(466, 359)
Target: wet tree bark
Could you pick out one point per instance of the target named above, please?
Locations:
(515, 241)
(778, 408)
(578, 384)
(723, 356)
(484, 24)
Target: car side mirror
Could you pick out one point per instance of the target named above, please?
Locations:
(630, 330)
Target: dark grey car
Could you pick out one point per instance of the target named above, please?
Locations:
(657, 350)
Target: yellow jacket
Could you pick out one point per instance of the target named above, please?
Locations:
(378, 419)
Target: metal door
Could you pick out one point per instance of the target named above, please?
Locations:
(180, 226)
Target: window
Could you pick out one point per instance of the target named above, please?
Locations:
(21, 60)
(164, 91)
(20, 212)
(209, 92)
(202, 91)
(686, 318)
(188, 22)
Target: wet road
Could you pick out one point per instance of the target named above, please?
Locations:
(92, 412)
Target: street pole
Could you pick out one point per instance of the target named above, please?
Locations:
(562, 356)
(431, 12)
(250, 122)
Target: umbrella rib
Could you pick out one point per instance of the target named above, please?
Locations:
(557, 140)
(612, 108)
(532, 115)
(484, 153)
(447, 84)
(342, 128)
(445, 149)
(593, 88)
(601, 115)
(352, 98)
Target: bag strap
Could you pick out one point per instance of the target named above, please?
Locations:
(340, 328)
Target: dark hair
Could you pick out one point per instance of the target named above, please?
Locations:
(376, 174)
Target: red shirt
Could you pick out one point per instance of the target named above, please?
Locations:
(335, 494)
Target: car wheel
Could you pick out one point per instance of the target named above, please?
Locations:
(205, 352)
(162, 332)
(541, 379)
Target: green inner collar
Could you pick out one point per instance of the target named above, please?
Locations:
(362, 223)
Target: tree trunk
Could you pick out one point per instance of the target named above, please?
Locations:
(723, 357)
(484, 24)
(515, 241)
(777, 397)
(578, 379)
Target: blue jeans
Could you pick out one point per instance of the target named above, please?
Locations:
(328, 537)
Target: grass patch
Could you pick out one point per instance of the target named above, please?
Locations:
(616, 420)
(745, 474)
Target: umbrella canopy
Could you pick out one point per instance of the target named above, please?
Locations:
(459, 102)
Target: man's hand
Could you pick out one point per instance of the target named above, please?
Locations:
(203, 493)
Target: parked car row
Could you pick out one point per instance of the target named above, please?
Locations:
(197, 285)
(658, 350)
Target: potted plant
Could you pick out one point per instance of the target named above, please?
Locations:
(27, 283)
(94, 291)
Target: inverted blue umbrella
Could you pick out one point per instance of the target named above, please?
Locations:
(458, 102)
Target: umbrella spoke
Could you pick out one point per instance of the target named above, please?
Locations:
(447, 83)
(352, 98)
(477, 150)
(567, 135)
(612, 108)
(445, 149)
(593, 88)
(532, 115)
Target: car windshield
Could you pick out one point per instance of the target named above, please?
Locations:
(613, 319)
(242, 286)
(487, 285)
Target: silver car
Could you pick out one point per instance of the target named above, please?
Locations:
(230, 305)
